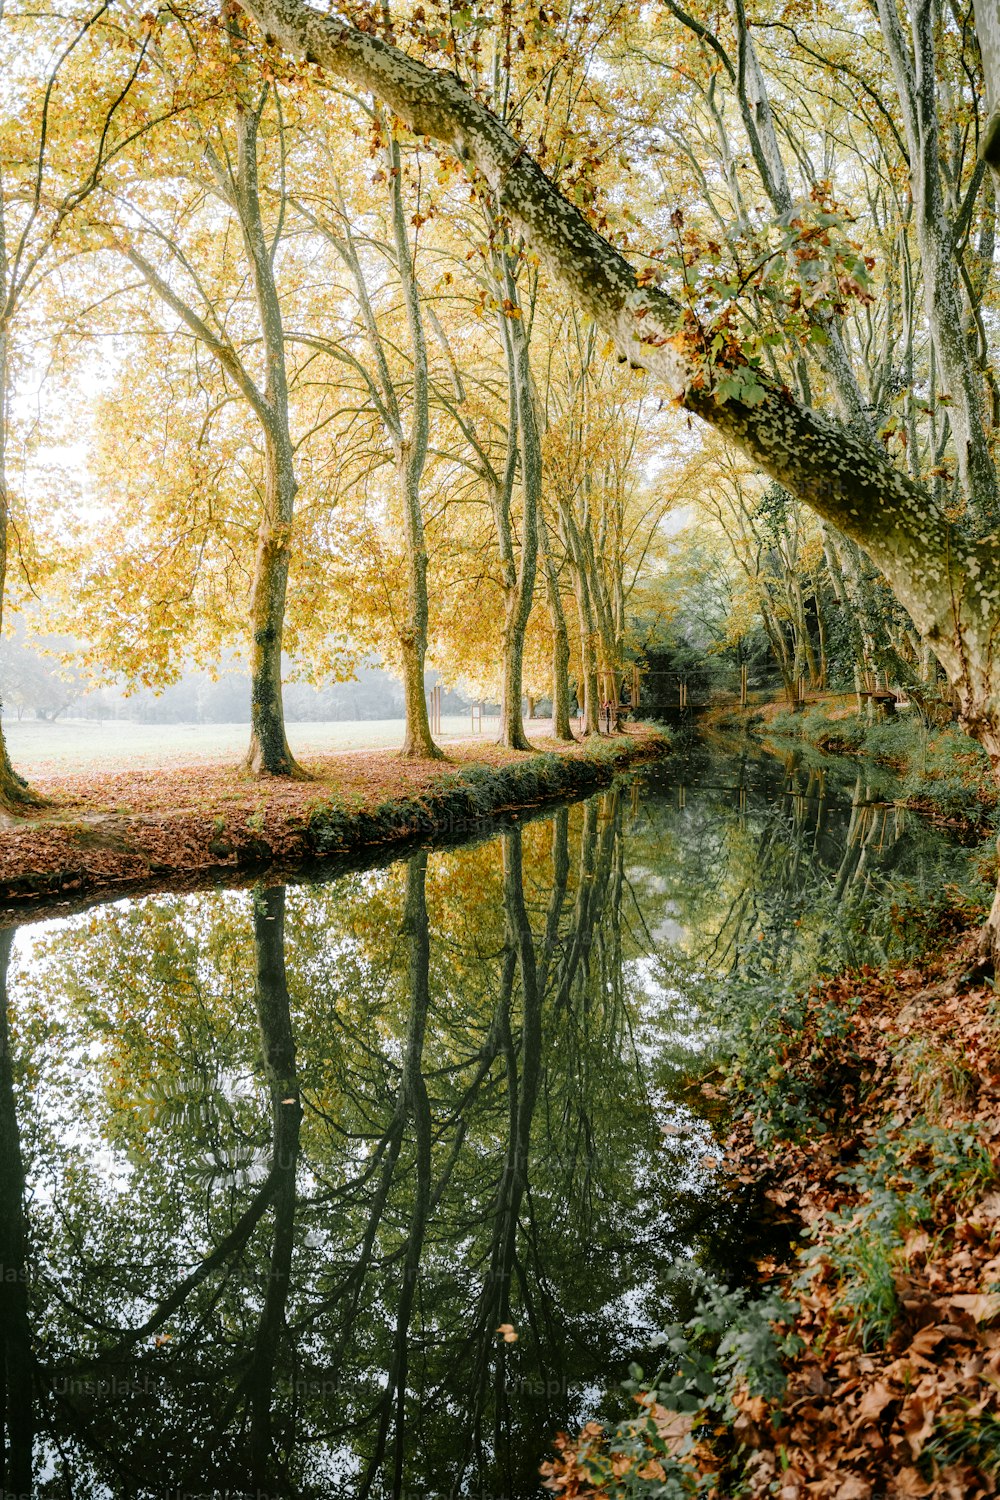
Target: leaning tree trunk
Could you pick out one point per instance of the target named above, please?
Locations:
(15, 795)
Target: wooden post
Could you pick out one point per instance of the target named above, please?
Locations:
(743, 685)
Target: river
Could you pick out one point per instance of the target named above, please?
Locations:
(369, 1185)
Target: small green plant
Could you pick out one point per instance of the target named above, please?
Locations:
(960, 1438)
(942, 1079)
(733, 1341)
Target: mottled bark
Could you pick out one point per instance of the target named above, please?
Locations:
(916, 87)
(987, 16)
(269, 753)
(418, 743)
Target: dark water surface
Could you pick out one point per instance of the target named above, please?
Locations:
(275, 1167)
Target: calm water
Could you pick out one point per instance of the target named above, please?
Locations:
(276, 1166)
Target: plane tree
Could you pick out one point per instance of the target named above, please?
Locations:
(947, 577)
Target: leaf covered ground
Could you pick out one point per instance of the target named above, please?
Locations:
(182, 824)
(872, 1113)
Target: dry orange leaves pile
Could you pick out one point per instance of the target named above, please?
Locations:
(914, 1409)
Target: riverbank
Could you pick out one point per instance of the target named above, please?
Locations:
(184, 827)
(868, 1364)
(942, 772)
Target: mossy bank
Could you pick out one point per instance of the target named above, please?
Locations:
(209, 825)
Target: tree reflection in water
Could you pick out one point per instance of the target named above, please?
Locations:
(276, 1167)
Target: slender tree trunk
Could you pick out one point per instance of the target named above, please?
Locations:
(419, 742)
(520, 583)
(512, 687)
(591, 705)
(268, 753)
(561, 727)
(411, 456)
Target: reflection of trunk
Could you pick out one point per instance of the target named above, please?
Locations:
(414, 1101)
(560, 880)
(278, 1047)
(522, 1097)
(15, 1335)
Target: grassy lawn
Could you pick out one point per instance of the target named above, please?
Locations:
(39, 748)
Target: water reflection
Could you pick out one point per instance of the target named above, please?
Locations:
(275, 1167)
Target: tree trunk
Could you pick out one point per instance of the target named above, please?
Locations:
(917, 90)
(512, 687)
(411, 456)
(269, 753)
(519, 587)
(419, 742)
(561, 727)
(15, 795)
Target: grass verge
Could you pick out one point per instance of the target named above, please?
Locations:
(189, 827)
